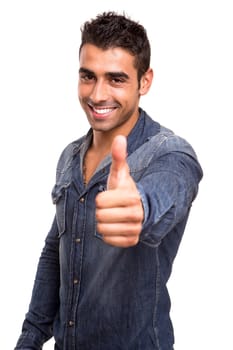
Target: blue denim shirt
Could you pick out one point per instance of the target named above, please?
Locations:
(93, 296)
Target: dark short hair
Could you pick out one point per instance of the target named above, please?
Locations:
(111, 30)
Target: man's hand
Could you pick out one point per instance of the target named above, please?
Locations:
(119, 210)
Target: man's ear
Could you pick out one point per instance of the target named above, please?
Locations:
(145, 82)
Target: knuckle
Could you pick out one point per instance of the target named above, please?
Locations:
(136, 214)
(133, 240)
(137, 229)
(97, 200)
(100, 200)
(99, 227)
(134, 198)
(98, 215)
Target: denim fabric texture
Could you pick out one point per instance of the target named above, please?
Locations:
(92, 296)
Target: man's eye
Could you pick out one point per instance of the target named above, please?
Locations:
(117, 80)
(86, 77)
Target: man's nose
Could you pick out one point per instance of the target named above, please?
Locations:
(99, 92)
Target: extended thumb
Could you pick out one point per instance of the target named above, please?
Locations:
(119, 165)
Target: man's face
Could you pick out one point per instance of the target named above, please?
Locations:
(108, 88)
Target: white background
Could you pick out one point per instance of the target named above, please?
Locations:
(39, 110)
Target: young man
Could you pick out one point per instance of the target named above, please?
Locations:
(123, 194)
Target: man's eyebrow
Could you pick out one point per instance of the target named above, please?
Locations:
(85, 70)
(111, 75)
(117, 75)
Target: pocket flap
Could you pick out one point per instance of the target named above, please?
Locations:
(58, 191)
(59, 197)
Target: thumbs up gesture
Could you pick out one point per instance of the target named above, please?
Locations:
(119, 210)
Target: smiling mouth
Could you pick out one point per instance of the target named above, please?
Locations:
(101, 111)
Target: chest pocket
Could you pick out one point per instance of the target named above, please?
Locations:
(59, 197)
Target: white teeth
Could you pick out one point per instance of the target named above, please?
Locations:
(102, 111)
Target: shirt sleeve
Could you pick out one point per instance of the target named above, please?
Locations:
(167, 189)
(37, 326)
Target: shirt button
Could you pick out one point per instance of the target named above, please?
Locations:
(75, 281)
(78, 240)
(101, 188)
(71, 323)
(82, 200)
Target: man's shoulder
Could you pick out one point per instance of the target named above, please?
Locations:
(160, 141)
(163, 140)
